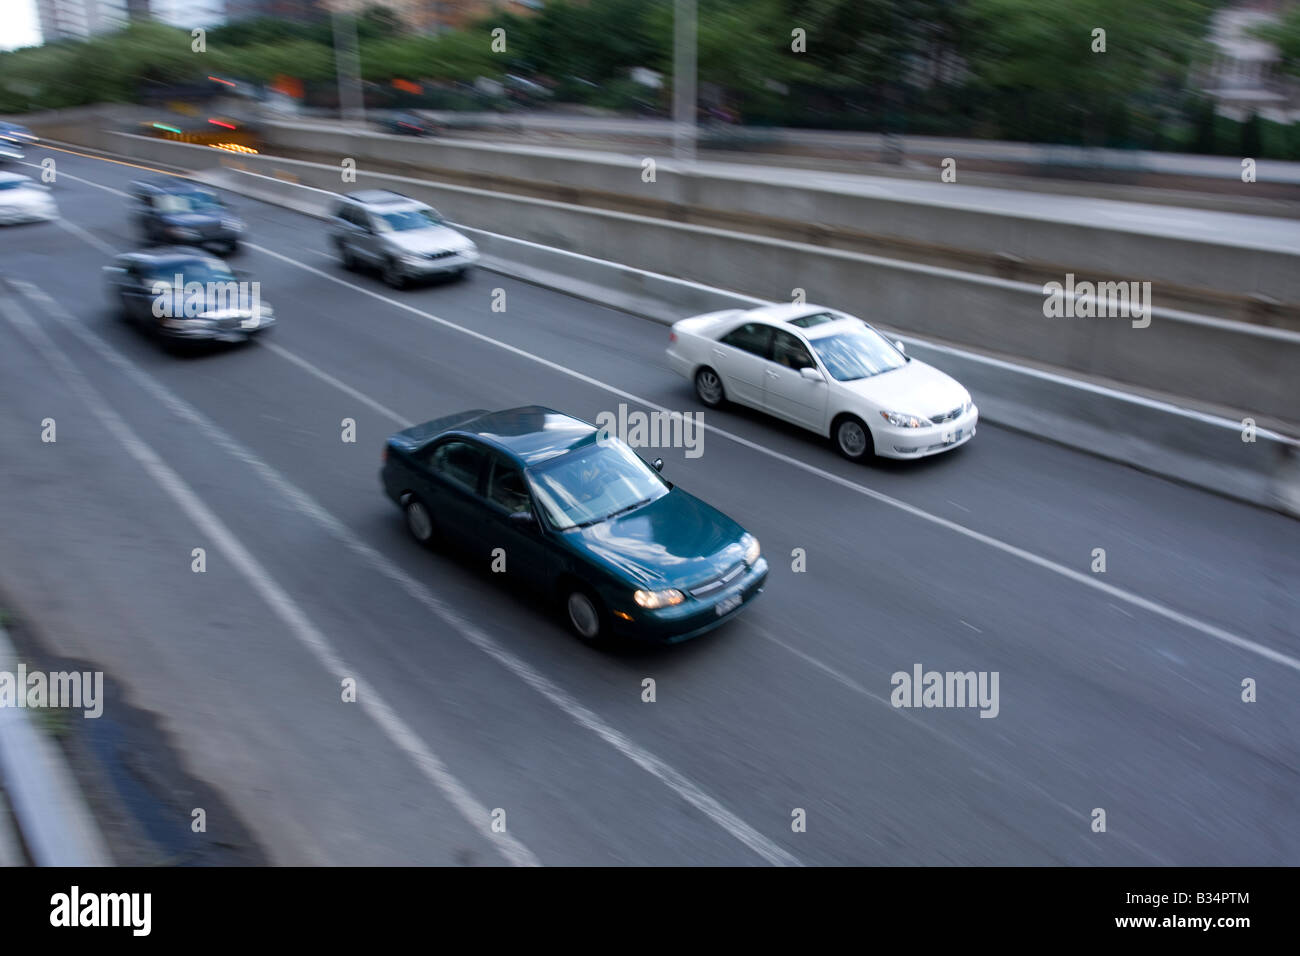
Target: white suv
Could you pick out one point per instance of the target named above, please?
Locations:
(401, 237)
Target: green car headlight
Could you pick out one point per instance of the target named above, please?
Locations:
(657, 599)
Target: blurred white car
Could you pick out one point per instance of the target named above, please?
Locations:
(23, 199)
(828, 372)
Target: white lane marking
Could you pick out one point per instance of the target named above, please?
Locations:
(1128, 597)
(78, 179)
(90, 237)
(584, 717)
(809, 659)
(1154, 607)
(275, 596)
(978, 756)
(329, 379)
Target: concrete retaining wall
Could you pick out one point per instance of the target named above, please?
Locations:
(1202, 450)
(1099, 251)
(1216, 362)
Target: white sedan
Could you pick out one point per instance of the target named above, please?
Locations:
(22, 199)
(828, 372)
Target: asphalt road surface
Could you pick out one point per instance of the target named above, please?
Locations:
(1119, 691)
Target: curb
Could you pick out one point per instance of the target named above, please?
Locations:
(52, 815)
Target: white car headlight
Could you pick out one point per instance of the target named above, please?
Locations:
(234, 225)
(901, 420)
(658, 599)
(752, 550)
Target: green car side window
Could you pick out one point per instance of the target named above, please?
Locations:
(506, 488)
(459, 462)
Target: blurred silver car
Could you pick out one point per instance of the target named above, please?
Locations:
(23, 199)
(401, 237)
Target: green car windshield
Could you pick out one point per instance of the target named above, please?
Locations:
(593, 484)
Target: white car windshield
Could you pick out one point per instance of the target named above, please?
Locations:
(408, 219)
(594, 483)
(861, 353)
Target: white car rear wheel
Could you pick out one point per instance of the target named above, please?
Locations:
(708, 387)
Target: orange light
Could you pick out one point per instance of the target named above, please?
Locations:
(407, 86)
(288, 85)
(217, 79)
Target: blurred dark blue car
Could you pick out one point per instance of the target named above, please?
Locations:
(581, 519)
(174, 210)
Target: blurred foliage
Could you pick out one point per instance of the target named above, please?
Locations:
(1009, 69)
(1285, 35)
(1035, 61)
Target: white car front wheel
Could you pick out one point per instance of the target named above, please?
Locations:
(853, 438)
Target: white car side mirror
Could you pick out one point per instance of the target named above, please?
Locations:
(899, 345)
(811, 374)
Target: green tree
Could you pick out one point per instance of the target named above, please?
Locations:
(1040, 53)
(1285, 35)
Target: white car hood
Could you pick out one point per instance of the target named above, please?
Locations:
(23, 197)
(433, 239)
(914, 389)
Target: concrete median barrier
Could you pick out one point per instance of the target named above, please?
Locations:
(1054, 231)
(1209, 361)
(1203, 450)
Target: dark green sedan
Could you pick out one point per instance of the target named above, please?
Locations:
(578, 516)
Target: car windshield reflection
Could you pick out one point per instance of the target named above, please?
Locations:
(859, 354)
(594, 484)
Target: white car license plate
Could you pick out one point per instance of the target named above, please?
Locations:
(951, 436)
(728, 604)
